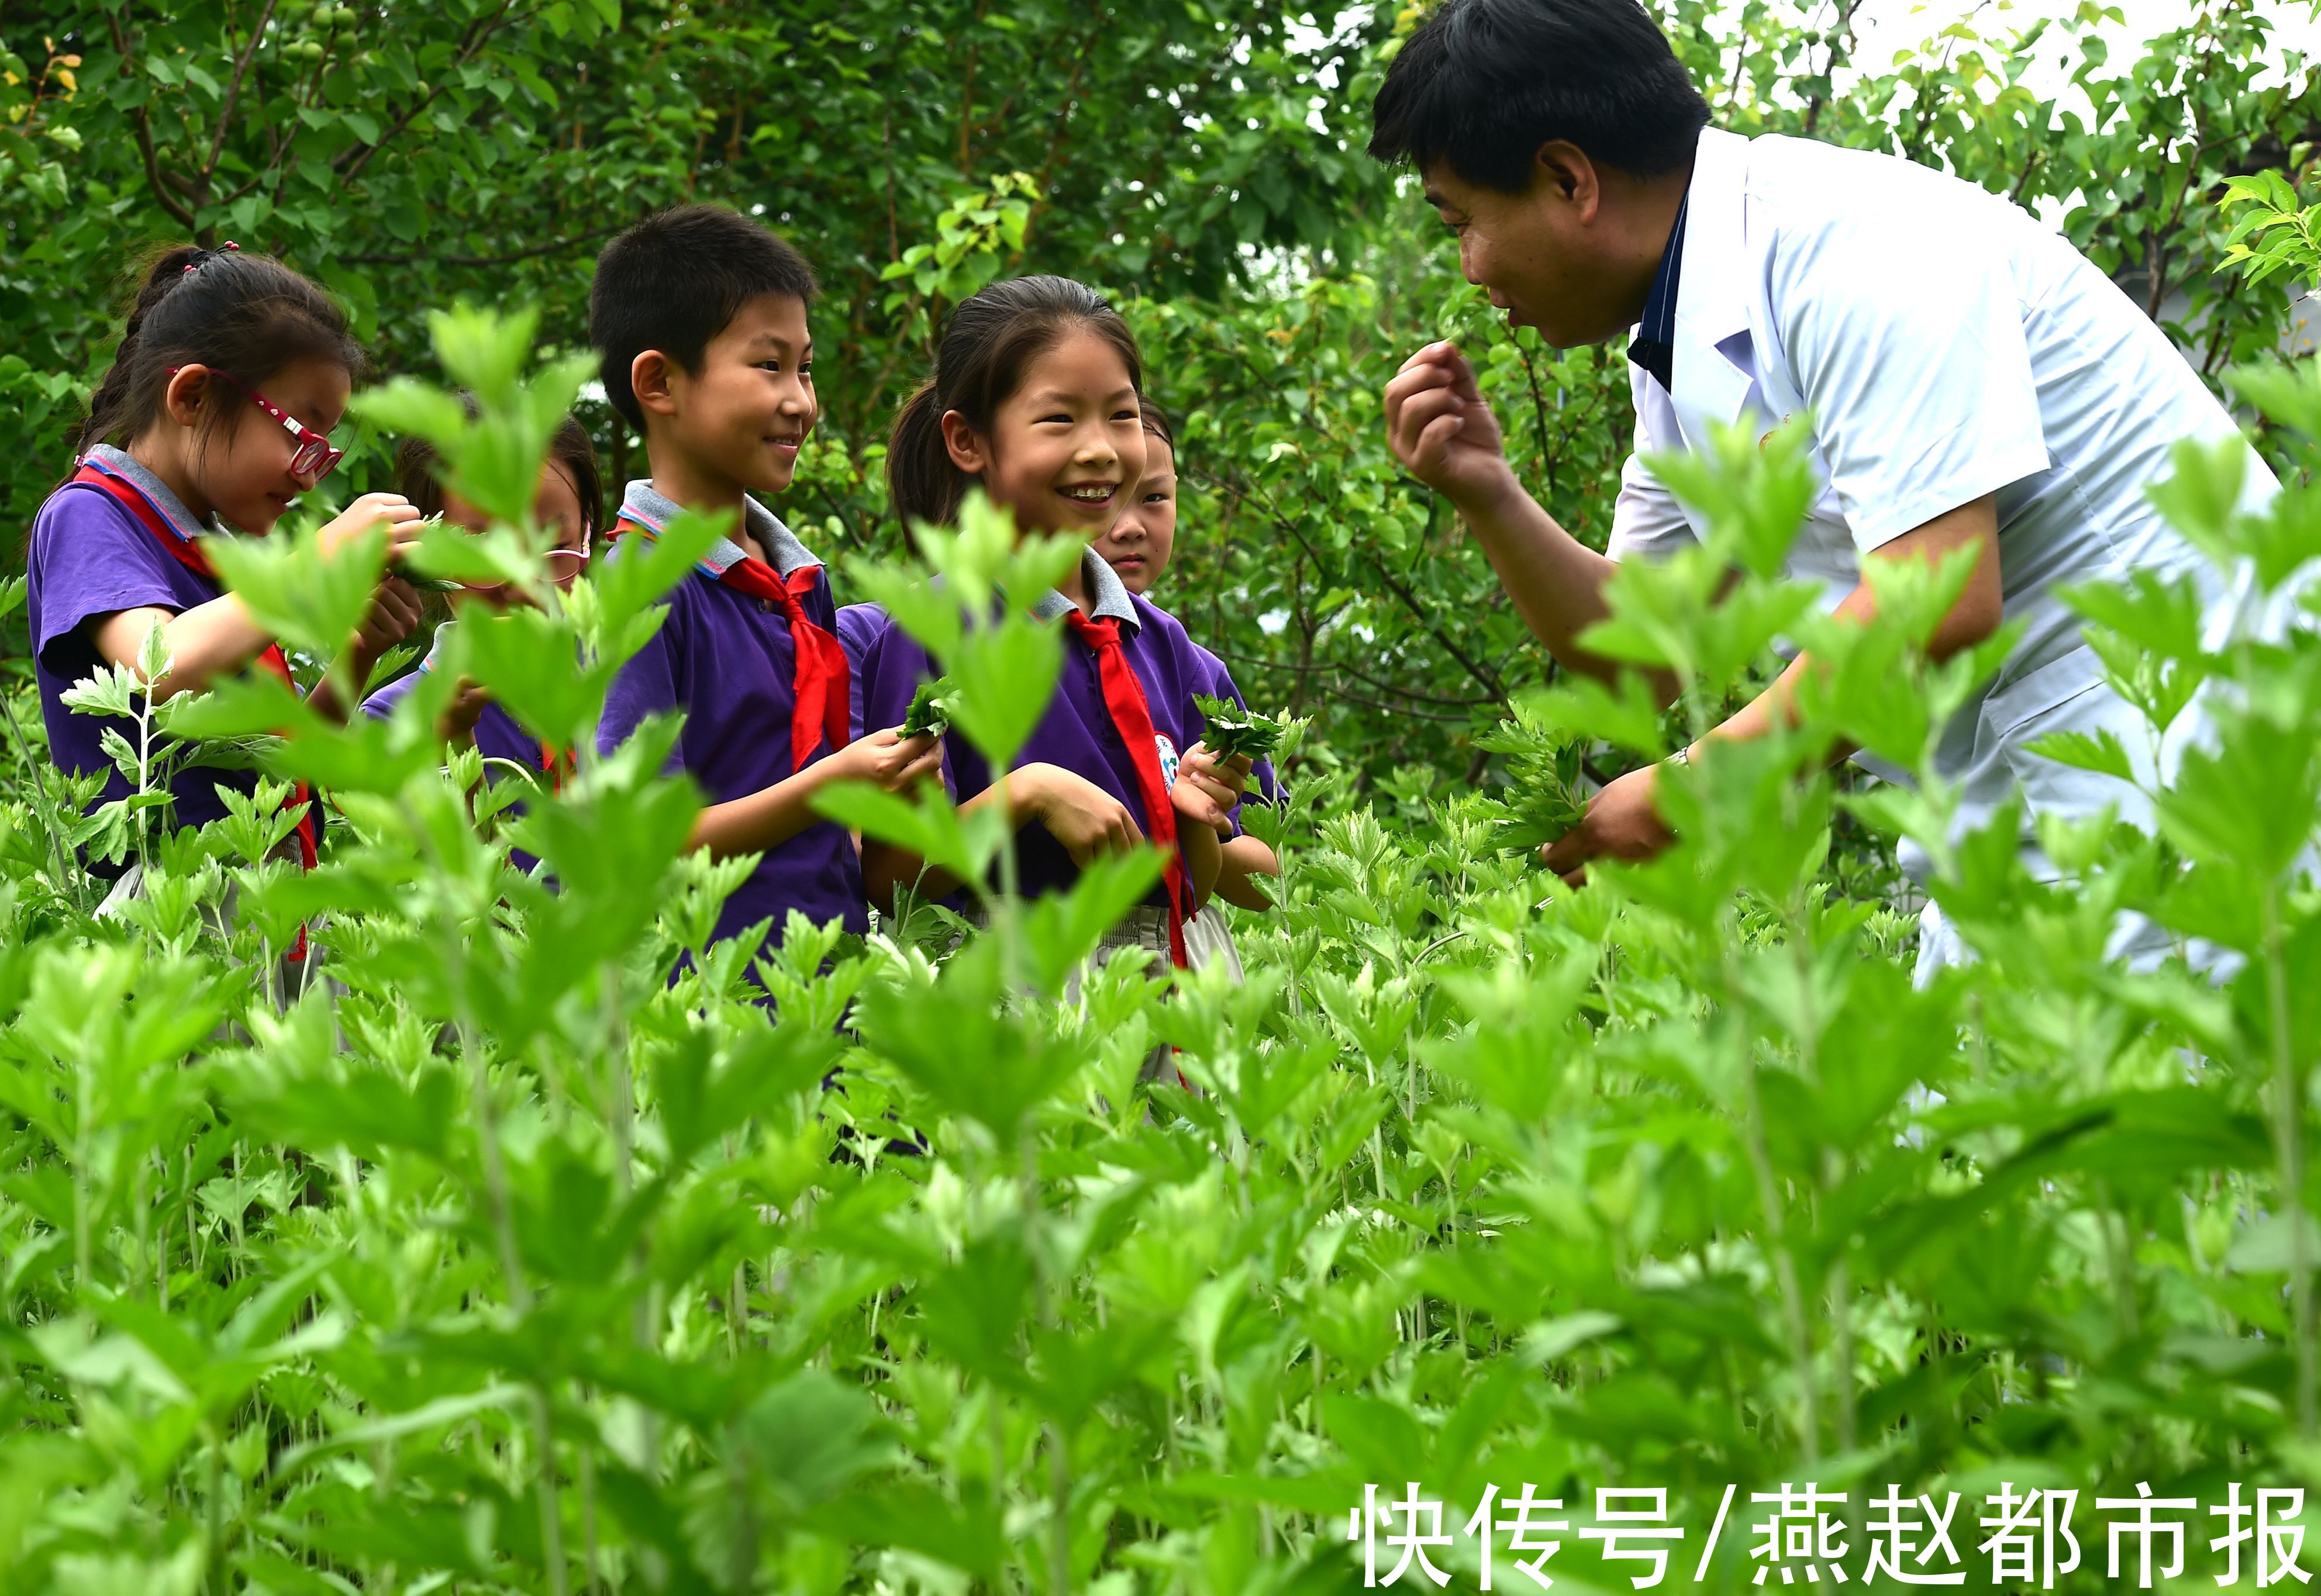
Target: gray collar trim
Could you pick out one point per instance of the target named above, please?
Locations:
(122, 464)
(1112, 602)
(779, 542)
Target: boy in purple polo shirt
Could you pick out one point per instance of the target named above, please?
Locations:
(699, 319)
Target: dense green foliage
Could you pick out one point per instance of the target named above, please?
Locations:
(485, 1257)
(1201, 158)
(494, 1258)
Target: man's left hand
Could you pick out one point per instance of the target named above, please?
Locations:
(1621, 823)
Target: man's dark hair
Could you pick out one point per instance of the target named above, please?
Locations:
(1483, 83)
(675, 281)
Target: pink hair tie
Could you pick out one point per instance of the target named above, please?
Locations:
(211, 255)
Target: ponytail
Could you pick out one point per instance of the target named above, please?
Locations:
(107, 406)
(921, 477)
(246, 315)
(992, 336)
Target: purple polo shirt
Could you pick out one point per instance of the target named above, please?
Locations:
(859, 627)
(91, 557)
(497, 734)
(1076, 732)
(1262, 786)
(726, 661)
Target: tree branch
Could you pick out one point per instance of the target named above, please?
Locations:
(144, 130)
(1483, 676)
(473, 41)
(509, 260)
(233, 93)
(1337, 668)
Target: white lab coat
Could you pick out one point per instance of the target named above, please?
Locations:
(1945, 346)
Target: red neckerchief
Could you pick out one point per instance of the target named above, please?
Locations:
(1123, 700)
(188, 554)
(557, 765)
(819, 690)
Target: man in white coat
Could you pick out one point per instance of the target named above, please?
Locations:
(1971, 380)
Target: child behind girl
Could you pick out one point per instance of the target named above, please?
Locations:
(1137, 547)
(572, 505)
(1035, 399)
(230, 376)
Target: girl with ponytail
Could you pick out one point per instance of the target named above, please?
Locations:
(1033, 401)
(214, 416)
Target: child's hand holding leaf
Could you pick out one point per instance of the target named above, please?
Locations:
(1209, 785)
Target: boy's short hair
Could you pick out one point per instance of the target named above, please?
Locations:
(675, 281)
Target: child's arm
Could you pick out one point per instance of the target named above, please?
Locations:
(771, 817)
(1205, 792)
(393, 616)
(219, 638)
(1245, 856)
(1086, 818)
(1204, 856)
(456, 724)
(205, 642)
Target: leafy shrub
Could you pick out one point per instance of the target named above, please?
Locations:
(489, 1255)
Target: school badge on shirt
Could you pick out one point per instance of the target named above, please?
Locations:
(1167, 759)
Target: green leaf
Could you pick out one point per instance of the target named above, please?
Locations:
(1005, 673)
(309, 599)
(1231, 731)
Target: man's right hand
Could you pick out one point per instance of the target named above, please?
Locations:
(1439, 428)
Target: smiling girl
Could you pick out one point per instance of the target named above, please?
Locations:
(216, 416)
(1035, 400)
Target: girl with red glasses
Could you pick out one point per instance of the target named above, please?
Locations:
(214, 416)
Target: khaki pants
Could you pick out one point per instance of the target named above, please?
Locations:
(1208, 940)
(1146, 925)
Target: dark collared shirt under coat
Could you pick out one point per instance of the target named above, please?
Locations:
(1653, 346)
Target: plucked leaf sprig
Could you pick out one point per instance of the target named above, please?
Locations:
(1546, 795)
(1232, 730)
(930, 712)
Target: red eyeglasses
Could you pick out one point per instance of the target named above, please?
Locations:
(314, 458)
